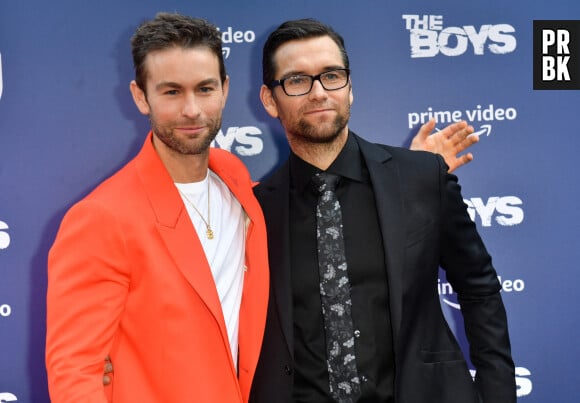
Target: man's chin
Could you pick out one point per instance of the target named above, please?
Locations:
(321, 134)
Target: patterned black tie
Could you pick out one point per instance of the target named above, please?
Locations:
(335, 292)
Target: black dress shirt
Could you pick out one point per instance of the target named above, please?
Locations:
(367, 274)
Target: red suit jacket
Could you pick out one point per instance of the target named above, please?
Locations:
(127, 276)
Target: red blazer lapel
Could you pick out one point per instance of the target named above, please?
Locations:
(177, 231)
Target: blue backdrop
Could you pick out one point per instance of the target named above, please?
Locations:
(67, 121)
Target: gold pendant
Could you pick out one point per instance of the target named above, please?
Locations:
(209, 233)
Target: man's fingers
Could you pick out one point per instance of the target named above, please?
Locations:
(467, 141)
(460, 161)
(459, 133)
(426, 129)
(108, 368)
(453, 130)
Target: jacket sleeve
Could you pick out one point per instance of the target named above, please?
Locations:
(471, 273)
(87, 286)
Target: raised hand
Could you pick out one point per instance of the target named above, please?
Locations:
(448, 142)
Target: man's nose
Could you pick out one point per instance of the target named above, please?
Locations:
(191, 107)
(317, 90)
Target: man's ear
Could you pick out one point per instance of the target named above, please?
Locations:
(268, 101)
(139, 98)
(225, 90)
(351, 97)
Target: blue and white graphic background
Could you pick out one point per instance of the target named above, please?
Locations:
(67, 122)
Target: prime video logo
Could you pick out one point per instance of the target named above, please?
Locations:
(447, 294)
(231, 36)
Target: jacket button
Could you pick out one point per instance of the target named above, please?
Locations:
(287, 369)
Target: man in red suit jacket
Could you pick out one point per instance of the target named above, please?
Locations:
(142, 268)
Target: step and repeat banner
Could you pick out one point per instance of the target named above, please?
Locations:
(67, 121)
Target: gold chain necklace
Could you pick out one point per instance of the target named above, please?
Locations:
(208, 230)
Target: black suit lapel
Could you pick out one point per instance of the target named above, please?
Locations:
(274, 197)
(388, 197)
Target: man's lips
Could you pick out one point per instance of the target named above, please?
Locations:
(190, 129)
(317, 110)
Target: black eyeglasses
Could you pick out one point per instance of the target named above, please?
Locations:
(301, 84)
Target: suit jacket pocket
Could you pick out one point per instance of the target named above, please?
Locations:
(441, 356)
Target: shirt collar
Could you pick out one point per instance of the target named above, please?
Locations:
(348, 164)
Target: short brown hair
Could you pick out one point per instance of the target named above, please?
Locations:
(173, 30)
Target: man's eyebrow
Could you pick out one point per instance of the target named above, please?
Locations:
(294, 73)
(165, 84)
(209, 81)
(302, 72)
(171, 84)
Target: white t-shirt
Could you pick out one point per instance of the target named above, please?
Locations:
(225, 252)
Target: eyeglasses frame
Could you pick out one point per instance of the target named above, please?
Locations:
(275, 83)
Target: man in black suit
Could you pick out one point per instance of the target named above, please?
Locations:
(403, 217)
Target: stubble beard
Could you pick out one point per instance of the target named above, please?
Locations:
(326, 133)
(166, 134)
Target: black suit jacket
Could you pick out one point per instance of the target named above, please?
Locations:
(424, 225)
